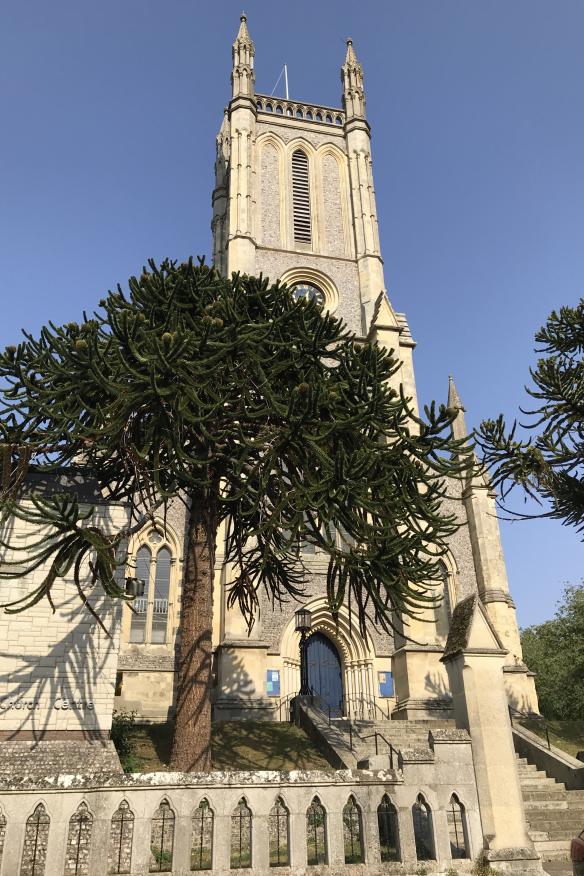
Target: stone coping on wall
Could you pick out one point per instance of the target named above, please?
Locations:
(219, 778)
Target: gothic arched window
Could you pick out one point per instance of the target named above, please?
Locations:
(353, 833)
(388, 830)
(79, 842)
(423, 832)
(457, 829)
(121, 836)
(301, 197)
(316, 833)
(241, 836)
(162, 839)
(278, 835)
(149, 621)
(202, 840)
(36, 842)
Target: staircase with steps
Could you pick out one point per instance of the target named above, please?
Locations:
(400, 734)
(353, 742)
(554, 817)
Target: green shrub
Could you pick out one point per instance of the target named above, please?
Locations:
(124, 738)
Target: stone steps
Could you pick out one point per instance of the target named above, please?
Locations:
(554, 817)
(400, 734)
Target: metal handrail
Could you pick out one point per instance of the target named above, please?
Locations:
(314, 696)
(534, 716)
(284, 701)
(392, 750)
(327, 712)
(365, 704)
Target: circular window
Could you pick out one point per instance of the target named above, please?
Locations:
(307, 290)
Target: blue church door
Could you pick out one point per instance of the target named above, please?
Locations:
(324, 671)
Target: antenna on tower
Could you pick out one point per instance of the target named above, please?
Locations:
(284, 70)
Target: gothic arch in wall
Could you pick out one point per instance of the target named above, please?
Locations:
(356, 656)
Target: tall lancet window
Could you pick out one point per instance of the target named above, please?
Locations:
(301, 197)
(151, 612)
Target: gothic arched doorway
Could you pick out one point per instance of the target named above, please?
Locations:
(325, 675)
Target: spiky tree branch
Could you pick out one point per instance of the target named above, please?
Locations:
(548, 464)
(261, 412)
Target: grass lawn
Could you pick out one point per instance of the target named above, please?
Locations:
(567, 735)
(237, 745)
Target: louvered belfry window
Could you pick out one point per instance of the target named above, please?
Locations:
(301, 197)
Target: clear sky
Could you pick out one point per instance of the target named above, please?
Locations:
(109, 112)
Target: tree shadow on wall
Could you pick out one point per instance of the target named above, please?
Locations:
(69, 673)
(437, 687)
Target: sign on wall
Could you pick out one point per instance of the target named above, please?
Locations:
(385, 684)
(273, 682)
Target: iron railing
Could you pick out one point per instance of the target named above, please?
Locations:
(283, 707)
(391, 750)
(140, 605)
(361, 708)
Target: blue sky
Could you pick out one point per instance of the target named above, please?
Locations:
(109, 113)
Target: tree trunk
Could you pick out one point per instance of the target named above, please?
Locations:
(191, 745)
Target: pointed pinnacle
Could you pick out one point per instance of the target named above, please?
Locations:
(454, 400)
(351, 57)
(243, 33)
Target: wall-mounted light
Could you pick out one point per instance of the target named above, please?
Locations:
(135, 586)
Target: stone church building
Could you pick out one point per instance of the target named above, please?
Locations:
(294, 200)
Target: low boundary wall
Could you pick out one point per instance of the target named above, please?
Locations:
(71, 824)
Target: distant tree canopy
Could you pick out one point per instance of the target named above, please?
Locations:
(554, 650)
(549, 464)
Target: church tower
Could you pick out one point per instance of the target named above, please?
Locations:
(294, 198)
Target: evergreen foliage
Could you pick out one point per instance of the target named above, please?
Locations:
(548, 465)
(262, 409)
(258, 411)
(554, 650)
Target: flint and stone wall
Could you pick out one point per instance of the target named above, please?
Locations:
(81, 829)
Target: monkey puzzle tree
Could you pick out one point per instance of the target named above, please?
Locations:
(549, 464)
(261, 412)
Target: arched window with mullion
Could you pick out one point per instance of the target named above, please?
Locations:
(457, 829)
(423, 829)
(140, 604)
(149, 612)
(387, 822)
